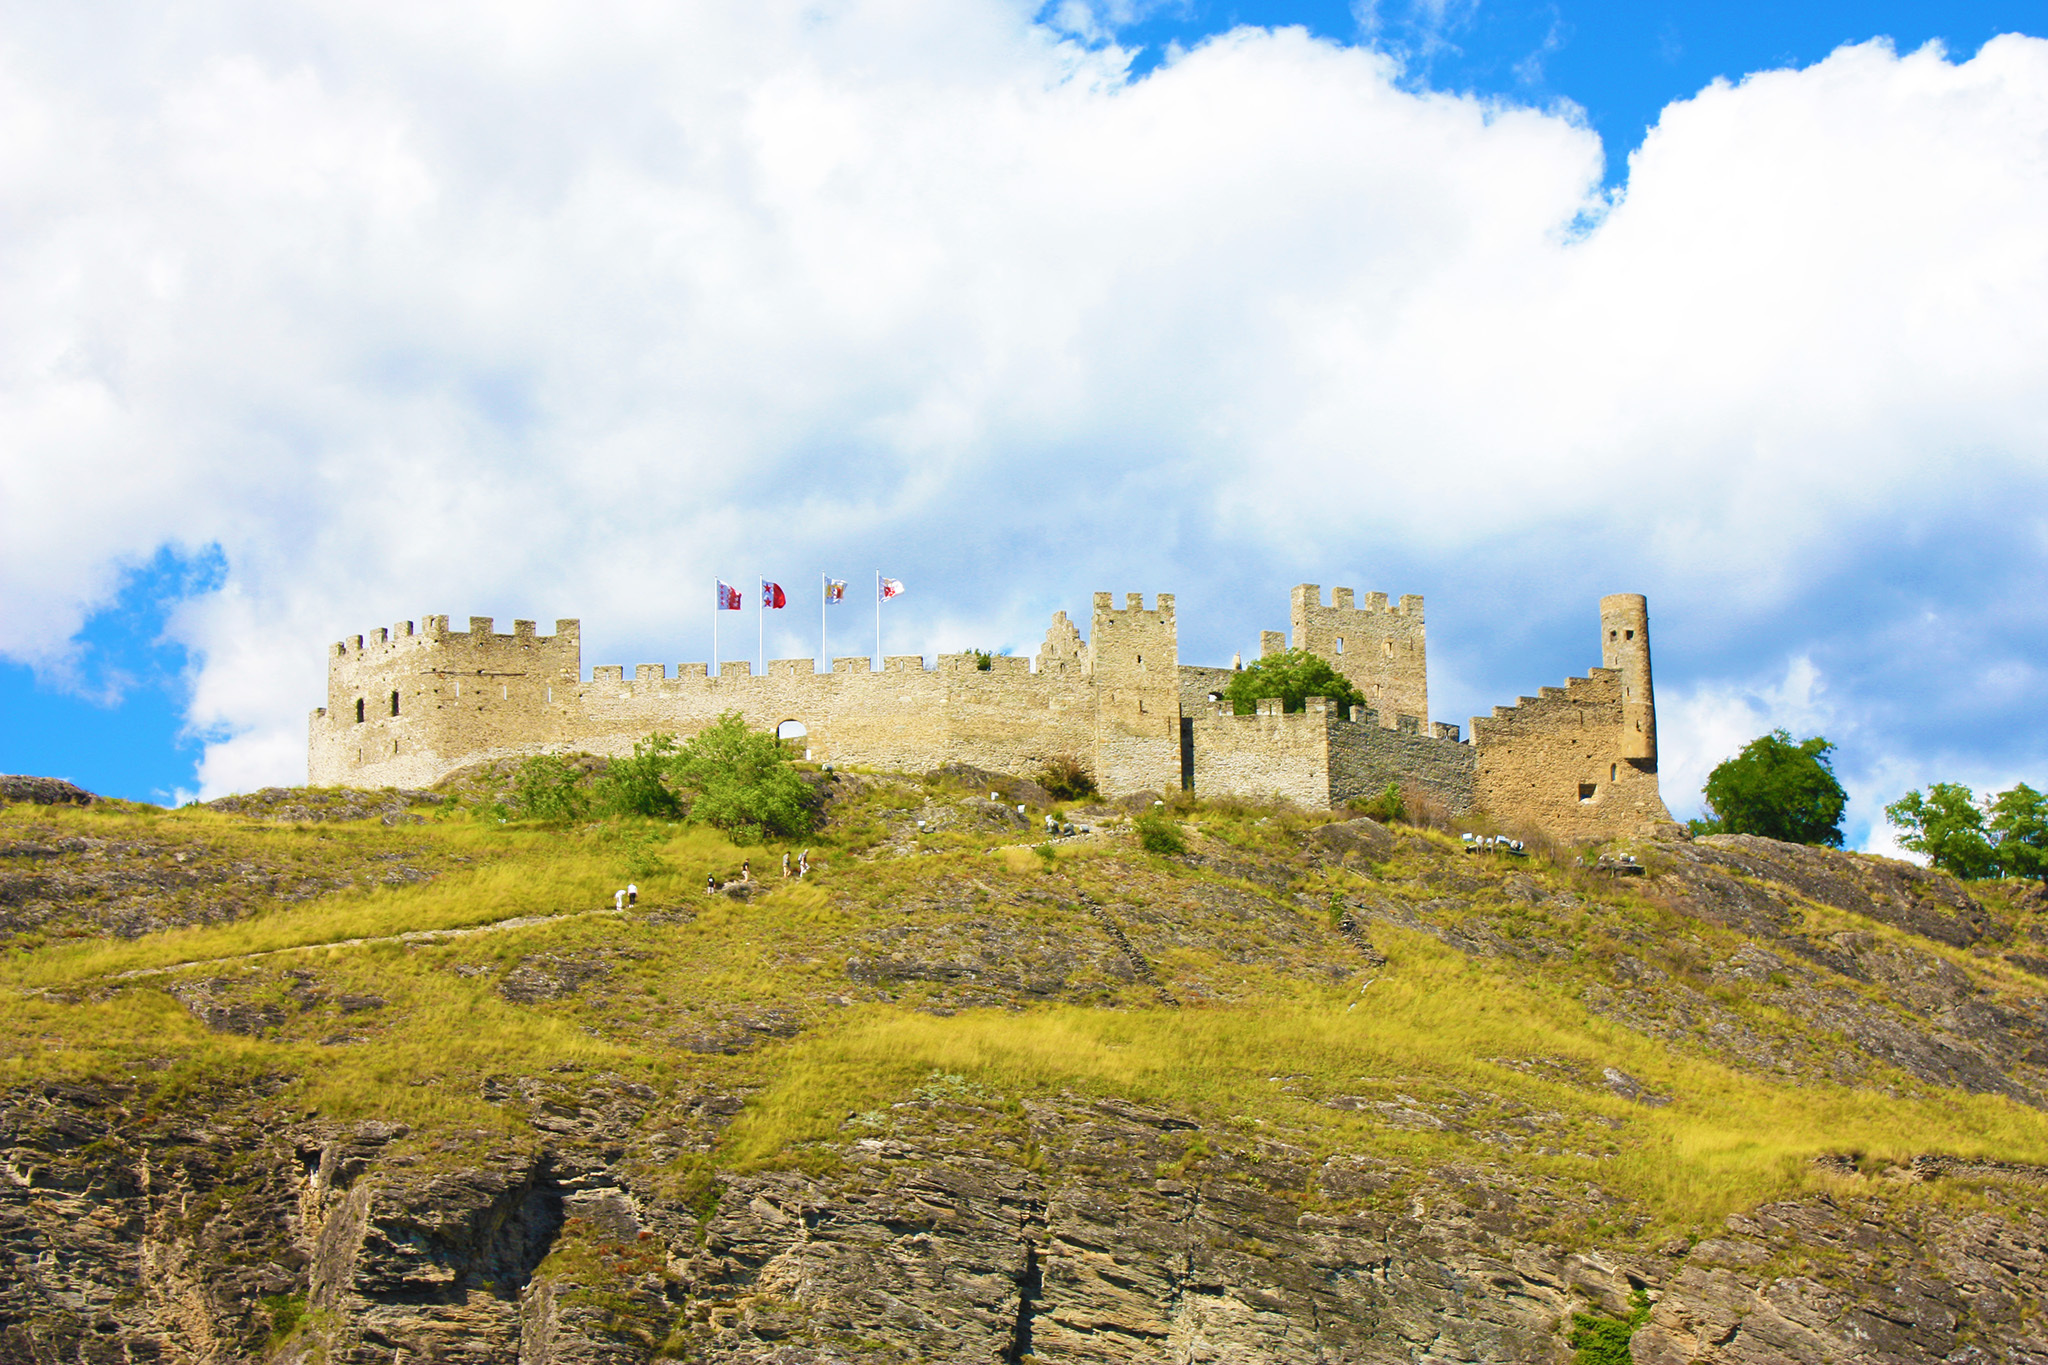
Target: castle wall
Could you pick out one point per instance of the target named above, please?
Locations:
(1365, 756)
(1382, 650)
(1556, 762)
(1267, 754)
(1135, 661)
(457, 693)
(1319, 758)
(1580, 761)
(405, 707)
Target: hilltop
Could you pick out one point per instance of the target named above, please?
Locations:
(359, 1076)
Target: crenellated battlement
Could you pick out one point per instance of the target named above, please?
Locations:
(409, 703)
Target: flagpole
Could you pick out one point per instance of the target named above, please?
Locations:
(824, 591)
(878, 618)
(761, 632)
(717, 606)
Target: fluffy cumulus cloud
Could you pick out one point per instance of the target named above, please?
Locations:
(553, 310)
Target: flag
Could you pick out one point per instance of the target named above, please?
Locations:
(835, 590)
(772, 595)
(891, 588)
(728, 597)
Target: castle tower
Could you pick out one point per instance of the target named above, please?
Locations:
(404, 704)
(1625, 647)
(1380, 648)
(1134, 656)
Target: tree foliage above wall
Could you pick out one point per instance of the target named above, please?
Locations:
(1293, 675)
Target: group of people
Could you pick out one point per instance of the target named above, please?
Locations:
(803, 866)
(627, 895)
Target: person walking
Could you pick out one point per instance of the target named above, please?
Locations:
(785, 864)
(632, 894)
(711, 885)
(803, 864)
(746, 869)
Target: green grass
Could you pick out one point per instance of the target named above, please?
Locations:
(1729, 1140)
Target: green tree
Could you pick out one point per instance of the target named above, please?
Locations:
(1947, 825)
(2019, 820)
(546, 788)
(740, 780)
(637, 785)
(1778, 789)
(1291, 675)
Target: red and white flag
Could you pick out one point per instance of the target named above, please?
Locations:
(891, 588)
(772, 595)
(728, 597)
(835, 590)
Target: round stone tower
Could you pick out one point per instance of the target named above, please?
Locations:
(1625, 646)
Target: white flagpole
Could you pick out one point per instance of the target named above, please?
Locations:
(717, 606)
(824, 600)
(761, 631)
(878, 618)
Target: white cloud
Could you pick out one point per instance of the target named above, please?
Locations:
(547, 311)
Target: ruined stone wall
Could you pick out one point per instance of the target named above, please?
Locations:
(1265, 755)
(1134, 658)
(456, 692)
(1381, 649)
(1580, 761)
(1557, 762)
(1365, 756)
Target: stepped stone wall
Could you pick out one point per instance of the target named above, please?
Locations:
(405, 707)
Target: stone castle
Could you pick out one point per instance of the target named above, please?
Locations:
(406, 707)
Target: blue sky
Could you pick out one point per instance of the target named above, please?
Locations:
(326, 319)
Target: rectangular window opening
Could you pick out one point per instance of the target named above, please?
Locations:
(1340, 644)
(394, 703)
(1587, 790)
(359, 710)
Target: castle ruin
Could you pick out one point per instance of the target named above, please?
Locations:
(407, 706)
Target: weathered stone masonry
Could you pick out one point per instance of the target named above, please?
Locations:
(405, 707)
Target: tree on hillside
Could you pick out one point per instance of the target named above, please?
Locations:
(637, 785)
(740, 780)
(2019, 820)
(1949, 826)
(1291, 675)
(1778, 789)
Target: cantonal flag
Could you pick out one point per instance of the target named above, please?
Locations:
(772, 595)
(728, 596)
(835, 590)
(891, 588)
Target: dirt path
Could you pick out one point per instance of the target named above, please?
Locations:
(412, 936)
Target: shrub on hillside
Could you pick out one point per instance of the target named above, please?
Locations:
(1384, 807)
(1291, 675)
(638, 785)
(1159, 834)
(1065, 779)
(741, 781)
(547, 788)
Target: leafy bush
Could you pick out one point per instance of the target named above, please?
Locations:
(1066, 779)
(1291, 675)
(1385, 808)
(1950, 827)
(740, 780)
(1157, 834)
(1598, 1339)
(1778, 789)
(546, 788)
(636, 785)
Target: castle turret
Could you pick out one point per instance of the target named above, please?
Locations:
(1625, 647)
(1134, 658)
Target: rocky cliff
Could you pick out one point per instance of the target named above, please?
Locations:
(405, 1089)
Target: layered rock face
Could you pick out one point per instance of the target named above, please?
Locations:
(1374, 1209)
